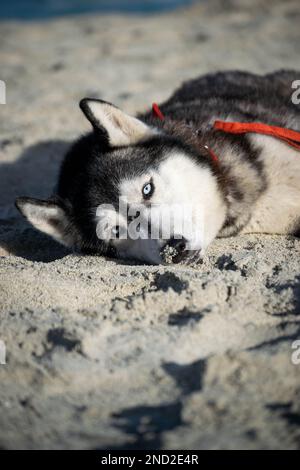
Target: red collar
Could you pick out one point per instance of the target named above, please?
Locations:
(288, 136)
(157, 112)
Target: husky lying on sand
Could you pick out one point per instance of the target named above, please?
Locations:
(235, 179)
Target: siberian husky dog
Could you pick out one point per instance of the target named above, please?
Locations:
(175, 158)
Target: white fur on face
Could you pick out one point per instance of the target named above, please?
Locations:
(181, 183)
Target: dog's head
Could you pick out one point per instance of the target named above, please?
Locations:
(130, 190)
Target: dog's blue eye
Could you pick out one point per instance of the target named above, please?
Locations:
(147, 191)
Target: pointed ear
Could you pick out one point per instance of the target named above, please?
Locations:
(47, 216)
(121, 128)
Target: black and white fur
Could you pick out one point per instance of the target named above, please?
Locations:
(254, 188)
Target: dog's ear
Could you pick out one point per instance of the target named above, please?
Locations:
(47, 216)
(120, 128)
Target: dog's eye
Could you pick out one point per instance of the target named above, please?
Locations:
(148, 190)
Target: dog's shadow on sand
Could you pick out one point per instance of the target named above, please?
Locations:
(33, 174)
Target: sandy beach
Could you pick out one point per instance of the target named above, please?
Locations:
(106, 354)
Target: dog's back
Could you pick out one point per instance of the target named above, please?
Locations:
(242, 95)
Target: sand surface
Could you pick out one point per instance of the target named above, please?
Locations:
(104, 354)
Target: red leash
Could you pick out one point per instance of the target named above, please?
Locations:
(288, 136)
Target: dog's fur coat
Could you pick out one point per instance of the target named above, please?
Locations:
(254, 188)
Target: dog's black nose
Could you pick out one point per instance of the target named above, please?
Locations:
(178, 244)
(174, 250)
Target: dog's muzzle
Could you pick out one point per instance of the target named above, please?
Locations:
(174, 250)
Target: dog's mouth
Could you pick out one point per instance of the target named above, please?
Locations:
(173, 251)
(170, 255)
